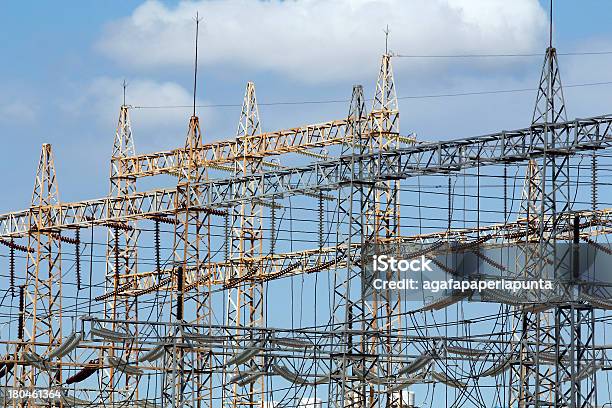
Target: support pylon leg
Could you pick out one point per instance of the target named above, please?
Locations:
(245, 300)
(43, 291)
(121, 264)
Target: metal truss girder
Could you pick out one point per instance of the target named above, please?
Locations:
(297, 139)
(430, 158)
(314, 260)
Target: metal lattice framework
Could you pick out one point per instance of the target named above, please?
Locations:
(427, 158)
(225, 219)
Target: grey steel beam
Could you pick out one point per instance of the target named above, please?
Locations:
(431, 158)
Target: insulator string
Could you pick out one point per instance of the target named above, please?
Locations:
(77, 257)
(157, 250)
(12, 268)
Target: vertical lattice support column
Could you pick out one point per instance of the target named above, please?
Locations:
(349, 389)
(43, 291)
(383, 222)
(557, 199)
(384, 117)
(245, 300)
(533, 381)
(555, 190)
(533, 333)
(531, 196)
(555, 180)
(575, 352)
(187, 381)
(121, 260)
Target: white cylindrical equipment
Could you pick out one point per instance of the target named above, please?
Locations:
(411, 398)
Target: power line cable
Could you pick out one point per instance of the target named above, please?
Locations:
(499, 55)
(332, 101)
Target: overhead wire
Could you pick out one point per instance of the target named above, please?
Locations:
(335, 101)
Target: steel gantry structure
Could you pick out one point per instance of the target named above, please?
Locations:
(193, 325)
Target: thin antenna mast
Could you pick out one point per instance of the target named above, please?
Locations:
(195, 70)
(124, 88)
(550, 34)
(386, 31)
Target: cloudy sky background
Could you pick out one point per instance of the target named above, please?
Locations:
(62, 71)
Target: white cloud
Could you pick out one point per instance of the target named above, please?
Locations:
(16, 110)
(154, 129)
(319, 40)
(106, 95)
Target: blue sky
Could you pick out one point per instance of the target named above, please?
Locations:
(61, 83)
